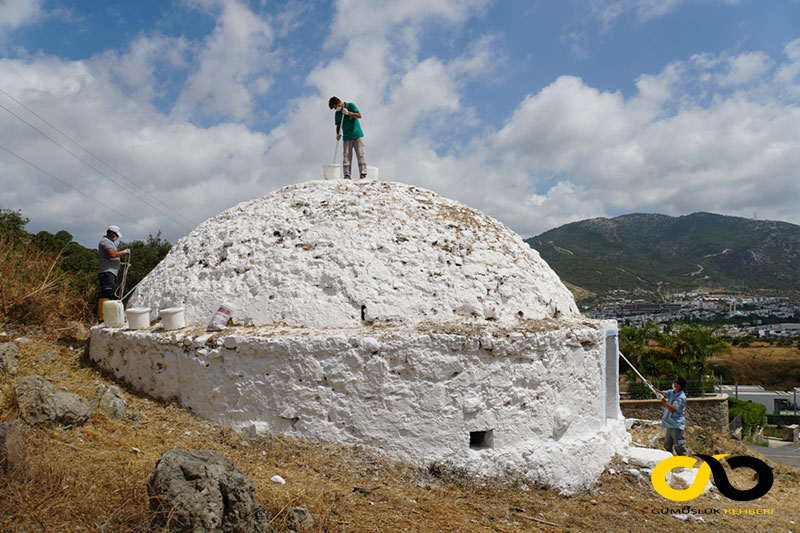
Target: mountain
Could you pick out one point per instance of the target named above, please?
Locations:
(651, 252)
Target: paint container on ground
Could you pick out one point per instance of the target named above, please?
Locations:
(372, 173)
(220, 319)
(138, 317)
(332, 172)
(173, 318)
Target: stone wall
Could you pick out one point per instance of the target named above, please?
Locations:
(710, 412)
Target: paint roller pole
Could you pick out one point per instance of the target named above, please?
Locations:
(649, 385)
(335, 150)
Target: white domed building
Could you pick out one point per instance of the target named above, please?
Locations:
(380, 314)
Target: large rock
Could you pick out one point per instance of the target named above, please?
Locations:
(300, 519)
(111, 402)
(12, 449)
(203, 491)
(41, 403)
(8, 358)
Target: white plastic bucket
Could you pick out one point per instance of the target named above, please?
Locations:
(220, 319)
(372, 173)
(138, 317)
(113, 314)
(173, 318)
(332, 172)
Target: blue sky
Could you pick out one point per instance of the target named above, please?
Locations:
(539, 113)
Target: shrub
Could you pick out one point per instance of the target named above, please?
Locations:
(33, 288)
(754, 415)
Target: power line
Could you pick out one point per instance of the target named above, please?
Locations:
(70, 152)
(89, 196)
(98, 159)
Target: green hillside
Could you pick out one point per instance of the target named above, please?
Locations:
(642, 252)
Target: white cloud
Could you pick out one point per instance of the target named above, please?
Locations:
(663, 150)
(733, 71)
(787, 76)
(136, 70)
(607, 11)
(356, 18)
(17, 13)
(232, 63)
(684, 142)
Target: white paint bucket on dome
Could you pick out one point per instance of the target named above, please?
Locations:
(372, 173)
(332, 172)
(173, 318)
(138, 317)
(113, 314)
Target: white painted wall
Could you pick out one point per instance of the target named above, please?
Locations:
(384, 315)
(415, 394)
(312, 254)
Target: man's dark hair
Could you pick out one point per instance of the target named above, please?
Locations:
(333, 102)
(681, 382)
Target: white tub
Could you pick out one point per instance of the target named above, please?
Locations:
(138, 317)
(173, 318)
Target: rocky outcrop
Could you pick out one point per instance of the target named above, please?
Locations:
(110, 401)
(8, 358)
(41, 403)
(203, 491)
(300, 519)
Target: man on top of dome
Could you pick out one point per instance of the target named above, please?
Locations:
(346, 120)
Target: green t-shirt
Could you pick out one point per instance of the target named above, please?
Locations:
(351, 128)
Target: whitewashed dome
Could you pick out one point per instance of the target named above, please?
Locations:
(340, 253)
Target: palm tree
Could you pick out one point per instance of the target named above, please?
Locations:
(647, 349)
(694, 345)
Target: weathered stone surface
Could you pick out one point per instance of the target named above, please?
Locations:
(300, 519)
(111, 402)
(457, 263)
(8, 358)
(203, 491)
(40, 403)
(48, 357)
(12, 449)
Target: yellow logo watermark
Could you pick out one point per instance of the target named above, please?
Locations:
(711, 465)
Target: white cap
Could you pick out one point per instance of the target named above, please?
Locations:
(115, 229)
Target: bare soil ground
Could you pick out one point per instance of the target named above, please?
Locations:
(95, 476)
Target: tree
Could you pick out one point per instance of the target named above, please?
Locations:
(695, 345)
(12, 223)
(645, 348)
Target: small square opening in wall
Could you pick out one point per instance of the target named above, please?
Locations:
(481, 440)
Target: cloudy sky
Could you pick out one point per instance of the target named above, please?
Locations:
(155, 115)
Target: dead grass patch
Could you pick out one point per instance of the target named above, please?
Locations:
(774, 367)
(35, 291)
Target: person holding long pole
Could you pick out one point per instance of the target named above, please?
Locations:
(348, 126)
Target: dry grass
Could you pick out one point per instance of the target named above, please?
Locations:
(33, 290)
(82, 478)
(764, 364)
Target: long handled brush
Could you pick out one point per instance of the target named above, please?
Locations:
(649, 385)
